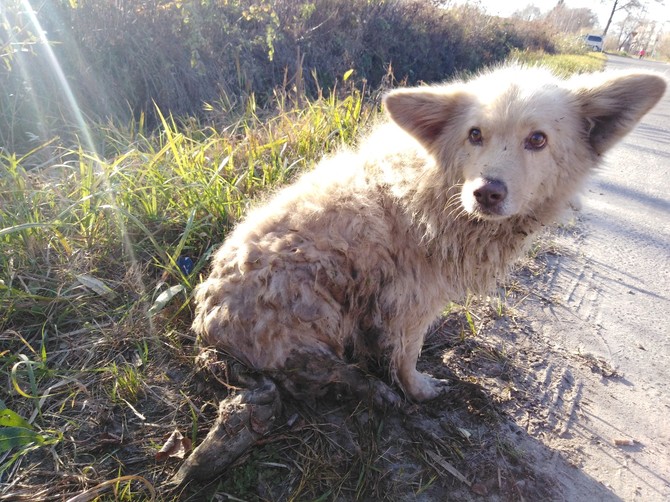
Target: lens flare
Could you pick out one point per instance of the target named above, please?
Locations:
(87, 152)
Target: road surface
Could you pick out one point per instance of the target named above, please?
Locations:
(612, 308)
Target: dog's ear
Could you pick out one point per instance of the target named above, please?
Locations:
(424, 113)
(611, 108)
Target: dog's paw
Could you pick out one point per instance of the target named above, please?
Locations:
(384, 396)
(576, 203)
(422, 387)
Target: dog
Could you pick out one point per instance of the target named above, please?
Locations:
(341, 274)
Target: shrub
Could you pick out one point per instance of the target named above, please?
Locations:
(121, 58)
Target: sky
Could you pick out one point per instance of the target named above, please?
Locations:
(601, 9)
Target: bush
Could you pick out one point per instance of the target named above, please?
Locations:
(121, 58)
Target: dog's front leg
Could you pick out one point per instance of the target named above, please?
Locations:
(416, 385)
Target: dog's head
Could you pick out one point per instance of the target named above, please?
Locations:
(518, 138)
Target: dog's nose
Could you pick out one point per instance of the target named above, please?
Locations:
(490, 193)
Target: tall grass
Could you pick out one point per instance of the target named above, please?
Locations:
(171, 193)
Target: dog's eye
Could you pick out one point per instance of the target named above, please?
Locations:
(475, 136)
(536, 141)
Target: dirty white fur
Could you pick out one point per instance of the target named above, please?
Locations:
(355, 260)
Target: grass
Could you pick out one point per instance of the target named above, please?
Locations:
(563, 64)
(99, 253)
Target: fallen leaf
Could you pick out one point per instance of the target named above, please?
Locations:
(95, 285)
(175, 447)
(448, 467)
(164, 298)
(465, 433)
(479, 489)
(8, 418)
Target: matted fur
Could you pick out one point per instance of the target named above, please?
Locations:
(353, 262)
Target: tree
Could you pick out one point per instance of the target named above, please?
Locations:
(662, 46)
(627, 32)
(628, 6)
(570, 20)
(529, 13)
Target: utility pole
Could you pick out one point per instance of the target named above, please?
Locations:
(609, 21)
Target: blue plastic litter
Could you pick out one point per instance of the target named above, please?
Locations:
(185, 264)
